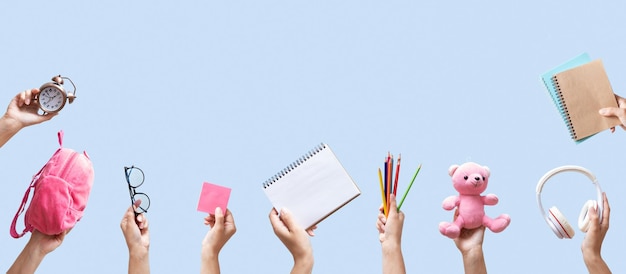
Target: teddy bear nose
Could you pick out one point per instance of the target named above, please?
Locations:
(477, 178)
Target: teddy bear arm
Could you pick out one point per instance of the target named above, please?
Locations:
(450, 202)
(490, 199)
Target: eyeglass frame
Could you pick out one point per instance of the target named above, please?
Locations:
(132, 189)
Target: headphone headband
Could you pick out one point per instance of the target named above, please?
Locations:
(560, 169)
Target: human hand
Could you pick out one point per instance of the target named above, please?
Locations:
(390, 227)
(45, 244)
(222, 228)
(295, 238)
(469, 239)
(619, 112)
(23, 109)
(592, 244)
(21, 112)
(135, 230)
(470, 244)
(38, 246)
(390, 237)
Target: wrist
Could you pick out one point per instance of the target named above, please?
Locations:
(208, 254)
(474, 260)
(138, 261)
(35, 252)
(590, 257)
(474, 251)
(303, 264)
(138, 252)
(35, 247)
(209, 262)
(28, 260)
(10, 124)
(389, 247)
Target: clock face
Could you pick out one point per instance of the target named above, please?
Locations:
(51, 99)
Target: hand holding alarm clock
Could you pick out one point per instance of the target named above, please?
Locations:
(52, 96)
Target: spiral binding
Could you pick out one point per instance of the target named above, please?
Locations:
(563, 108)
(294, 165)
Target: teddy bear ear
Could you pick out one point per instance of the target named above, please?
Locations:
(487, 170)
(452, 169)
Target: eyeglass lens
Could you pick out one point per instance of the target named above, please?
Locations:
(145, 202)
(135, 177)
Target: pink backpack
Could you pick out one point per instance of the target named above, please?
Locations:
(61, 190)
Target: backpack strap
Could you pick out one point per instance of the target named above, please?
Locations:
(27, 227)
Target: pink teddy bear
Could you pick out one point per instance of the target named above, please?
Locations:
(470, 180)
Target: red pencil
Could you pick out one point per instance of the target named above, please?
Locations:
(395, 185)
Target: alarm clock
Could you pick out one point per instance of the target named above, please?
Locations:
(52, 96)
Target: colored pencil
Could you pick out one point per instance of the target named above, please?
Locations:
(409, 188)
(389, 186)
(395, 185)
(382, 192)
(385, 169)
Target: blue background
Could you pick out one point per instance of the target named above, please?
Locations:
(230, 92)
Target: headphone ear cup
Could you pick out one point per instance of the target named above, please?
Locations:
(583, 218)
(561, 226)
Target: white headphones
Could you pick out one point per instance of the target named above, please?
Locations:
(555, 219)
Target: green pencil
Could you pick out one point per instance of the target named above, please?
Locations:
(409, 188)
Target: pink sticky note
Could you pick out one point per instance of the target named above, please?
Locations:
(213, 196)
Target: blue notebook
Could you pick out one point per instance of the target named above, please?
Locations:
(547, 81)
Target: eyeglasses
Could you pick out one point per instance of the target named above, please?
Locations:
(135, 178)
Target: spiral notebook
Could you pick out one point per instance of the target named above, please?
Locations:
(313, 187)
(579, 88)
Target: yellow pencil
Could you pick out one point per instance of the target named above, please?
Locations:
(382, 192)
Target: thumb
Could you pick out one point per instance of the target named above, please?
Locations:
(393, 207)
(614, 112)
(219, 218)
(287, 218)
(610, 111)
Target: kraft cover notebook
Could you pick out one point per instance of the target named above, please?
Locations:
(313, 187)
(580, 88)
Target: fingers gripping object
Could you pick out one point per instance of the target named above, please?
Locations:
(555, 219)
